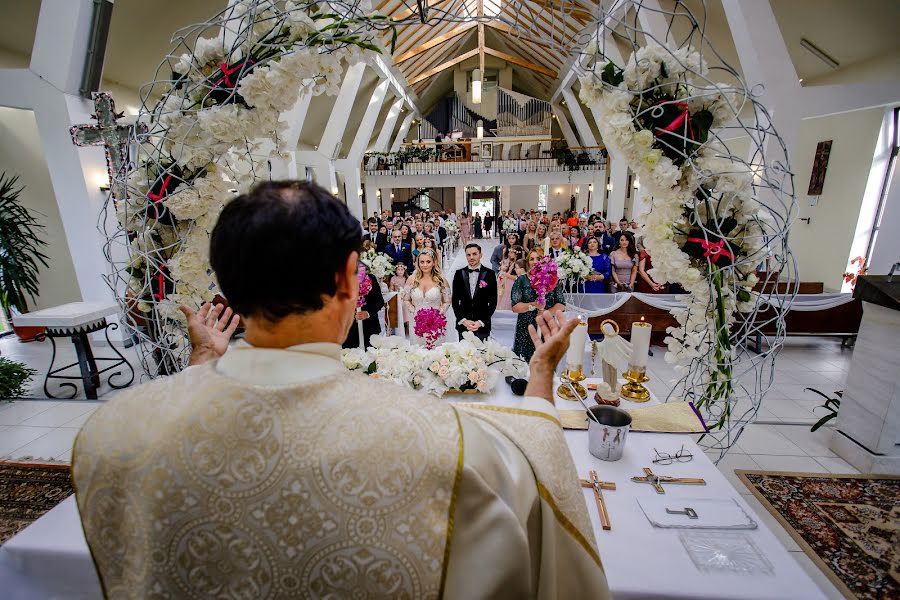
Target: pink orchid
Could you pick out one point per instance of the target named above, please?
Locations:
(544, 277)
(430, 325)
(482, 284)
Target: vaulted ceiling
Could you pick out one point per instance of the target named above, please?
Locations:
(534, 37)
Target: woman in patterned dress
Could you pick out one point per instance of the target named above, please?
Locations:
(525, 304)
(465, 229)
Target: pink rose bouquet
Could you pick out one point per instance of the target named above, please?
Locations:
(430, 325)
(365, 286)
(544, 277)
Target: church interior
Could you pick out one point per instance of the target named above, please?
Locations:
(749, 145)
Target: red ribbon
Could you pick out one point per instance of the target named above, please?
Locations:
(713, 249)
(161, 280)
(227, 73)
(162, 191)
(679, 122)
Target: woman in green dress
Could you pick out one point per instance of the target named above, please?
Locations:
(525, 304)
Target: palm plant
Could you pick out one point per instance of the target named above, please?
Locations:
(20, 248)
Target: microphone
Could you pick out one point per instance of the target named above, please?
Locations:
(517, 385)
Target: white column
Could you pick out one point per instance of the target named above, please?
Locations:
(653, 21)
(386, 198)
(460, 199)
(367, 125)
(343, 105)
(598, 184)
(568, 134)
(352, 185)
(765, 60)
(581, 124)
(387, 128)
(404, 129)
(50, 88)
(287, 168)
(618, 177)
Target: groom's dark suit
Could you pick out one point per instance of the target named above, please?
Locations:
(477, 307)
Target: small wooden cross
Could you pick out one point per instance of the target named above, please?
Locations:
(114, 137)
(595, 484)
(657, 480)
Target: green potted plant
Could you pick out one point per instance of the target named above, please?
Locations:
(20, 252)
(13, 377)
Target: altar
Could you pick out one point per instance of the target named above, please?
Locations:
(50, 558)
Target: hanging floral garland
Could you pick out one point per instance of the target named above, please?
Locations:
(214, 131)
(706, 230)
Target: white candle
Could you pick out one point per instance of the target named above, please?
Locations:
(575, 354)
(640, 342)
(362, 338)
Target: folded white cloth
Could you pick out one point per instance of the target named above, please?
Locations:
(711, 514)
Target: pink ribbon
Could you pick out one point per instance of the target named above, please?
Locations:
(713, 249)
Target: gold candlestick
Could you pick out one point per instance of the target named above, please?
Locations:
(573, 375)
(634, 389)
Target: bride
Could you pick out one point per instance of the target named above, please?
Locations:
(427, 288)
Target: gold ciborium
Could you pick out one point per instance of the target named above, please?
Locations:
(634, 390)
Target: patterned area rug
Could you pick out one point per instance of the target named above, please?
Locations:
(849, 525)
(27, 491)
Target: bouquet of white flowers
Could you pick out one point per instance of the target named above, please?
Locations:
(451, 226)
(466, 365)
(378, 264)
(574, 264)
(509, 225)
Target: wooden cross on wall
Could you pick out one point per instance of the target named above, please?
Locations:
(114, 137)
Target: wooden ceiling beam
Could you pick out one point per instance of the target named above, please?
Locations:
(437, 41)
(408, 12)
(546, 59)
(522, 63)
(511, 31)
(424, 63)
(444, 66)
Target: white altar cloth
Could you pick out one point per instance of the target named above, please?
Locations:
(50, 559)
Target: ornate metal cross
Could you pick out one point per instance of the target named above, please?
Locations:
(114, 137)
(657, 480)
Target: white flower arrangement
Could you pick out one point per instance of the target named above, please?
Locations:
(509, 226)
(469, 364)
(706, 231)
(215, 132)
(574, 264)
(380, 265)
(451, 226)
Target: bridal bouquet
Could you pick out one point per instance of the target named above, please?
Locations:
(378, 263)
(365, 286)
(574, 264)
(509, 226)
(460, 366)
(430, 325)
(544, 277)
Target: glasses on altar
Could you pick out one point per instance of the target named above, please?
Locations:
(664, 458)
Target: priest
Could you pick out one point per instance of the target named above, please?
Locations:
(270, 471)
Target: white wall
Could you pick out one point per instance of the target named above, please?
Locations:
(822, 247)
(21, 154)
(526, 196)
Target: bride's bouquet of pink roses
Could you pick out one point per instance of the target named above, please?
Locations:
(544, 277)
(430, 325)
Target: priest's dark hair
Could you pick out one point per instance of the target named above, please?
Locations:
(276, 249)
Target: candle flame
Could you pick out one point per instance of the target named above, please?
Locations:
(642, 318)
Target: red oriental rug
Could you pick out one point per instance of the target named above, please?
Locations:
(27, 491)
(849, 525)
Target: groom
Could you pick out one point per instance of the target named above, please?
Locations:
(474, 295)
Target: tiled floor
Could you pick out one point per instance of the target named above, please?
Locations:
(40, 428)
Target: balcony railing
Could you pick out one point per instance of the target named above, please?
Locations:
(490, 155)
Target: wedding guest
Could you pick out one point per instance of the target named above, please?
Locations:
(528, 240)
(368, 314)
(509, 272)
(607, 243)
(524, 303)
(440, 230)
(407, 235)
(430, 244)
(574, 240)
(623, 230)
(500, 223)
(399, 251)
(476, 225)
(598, 281)
(572, 219)
(645, 283)
(398, 279)
(465, 228)
(420, 245)
(488, 225)
(557, 247)
(540, 237)
(624, 266)
(384, 236)
(474, 295)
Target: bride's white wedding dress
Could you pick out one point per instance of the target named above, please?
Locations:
(433, 298)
